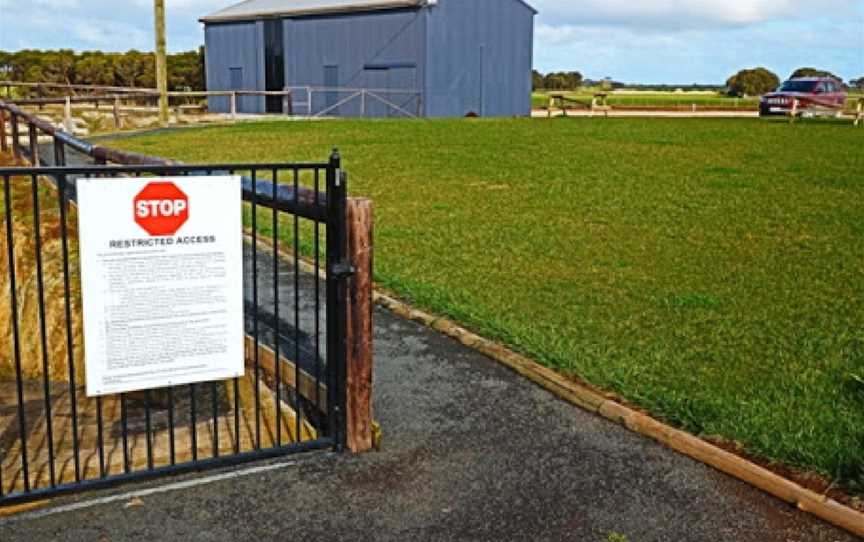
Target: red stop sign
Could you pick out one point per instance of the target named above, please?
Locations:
(161, 208)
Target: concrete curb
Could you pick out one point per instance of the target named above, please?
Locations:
(588, 399)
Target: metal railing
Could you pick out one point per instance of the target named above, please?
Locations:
(340, 97)
(299, 350)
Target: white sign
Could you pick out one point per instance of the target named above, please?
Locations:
(162, 281)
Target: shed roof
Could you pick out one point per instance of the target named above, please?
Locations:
(256, 9)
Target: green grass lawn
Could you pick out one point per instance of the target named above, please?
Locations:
(708, 270)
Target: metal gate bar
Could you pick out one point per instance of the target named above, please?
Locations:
(294, 188)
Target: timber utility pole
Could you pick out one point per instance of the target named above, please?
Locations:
(161, 61)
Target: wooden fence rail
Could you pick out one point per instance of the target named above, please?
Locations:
(119, 95)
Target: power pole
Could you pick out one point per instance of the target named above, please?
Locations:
(161, 61)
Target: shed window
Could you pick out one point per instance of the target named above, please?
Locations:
(236, 75)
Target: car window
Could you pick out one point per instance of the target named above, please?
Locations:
(798, 86)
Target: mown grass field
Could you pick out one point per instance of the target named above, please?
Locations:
(708, 270)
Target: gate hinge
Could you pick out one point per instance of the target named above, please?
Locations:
(343, 270)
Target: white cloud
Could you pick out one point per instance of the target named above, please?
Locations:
(682, 14)
(109, 35)
(697, 40)
(57, 4)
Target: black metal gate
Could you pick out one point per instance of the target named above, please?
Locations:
(53, 439)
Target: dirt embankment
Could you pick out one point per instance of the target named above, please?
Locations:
(24, 242)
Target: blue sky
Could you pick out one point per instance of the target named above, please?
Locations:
(651, 41)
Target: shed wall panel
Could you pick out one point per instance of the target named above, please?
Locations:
(232, 46)
(343, 46)
(480, 58)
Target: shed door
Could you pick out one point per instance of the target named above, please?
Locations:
(274, 63)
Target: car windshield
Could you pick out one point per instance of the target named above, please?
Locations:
(798, 86)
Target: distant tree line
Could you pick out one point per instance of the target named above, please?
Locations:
(130, 69)
(752, 82)
(758, 81)
(557, 80)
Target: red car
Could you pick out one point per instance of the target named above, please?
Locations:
(816, 96)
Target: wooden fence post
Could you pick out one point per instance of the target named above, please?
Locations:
(4, 145)
(68, 123)
(859, 115)
(16, 135)
(288, 102)
(116, 111)
(33, 138)
(359, 337)
(233, 105)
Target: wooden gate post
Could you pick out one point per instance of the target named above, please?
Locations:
(359, 335)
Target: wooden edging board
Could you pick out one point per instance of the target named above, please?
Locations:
(685, 443)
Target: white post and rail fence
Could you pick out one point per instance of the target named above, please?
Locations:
(296, 100)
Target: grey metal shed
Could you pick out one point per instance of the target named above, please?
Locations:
(435, 58)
